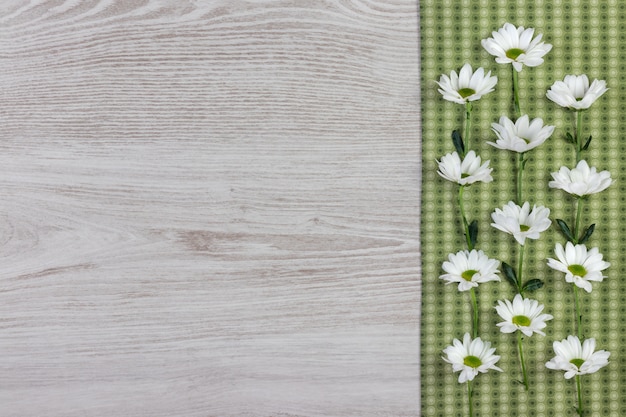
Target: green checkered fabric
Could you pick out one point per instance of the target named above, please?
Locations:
(588, 37)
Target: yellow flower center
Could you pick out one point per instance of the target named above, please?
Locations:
(466, 92)
(513, 53)
(467, 275)
(521, 321)
(472, 361)
(577, 362)
(577, 270)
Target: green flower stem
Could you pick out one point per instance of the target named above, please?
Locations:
(520, 174)
(475, 310)
(465, 223)
(469, 398)
(468, 124)
(578, 315)
(579, 210)
(580, 395)
(518, 112)
(521, 359)
(579, 123)
(520, 264)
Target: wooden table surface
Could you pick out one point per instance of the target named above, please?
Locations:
(209, 208)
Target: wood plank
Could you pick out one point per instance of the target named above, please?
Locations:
(209, 208)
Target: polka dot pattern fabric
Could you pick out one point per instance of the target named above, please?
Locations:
(587, 38)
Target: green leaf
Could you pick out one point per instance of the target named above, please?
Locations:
(509, 274)
(457, 141)
(569, 137)
(532, 285)
(587, 234)
(473, 232)
(565, 229)
(587, 144)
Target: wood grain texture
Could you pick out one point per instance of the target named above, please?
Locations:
(209, 208)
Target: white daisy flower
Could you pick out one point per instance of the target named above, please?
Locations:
(471, 357)
(516, 46)
(575, 93)
(523, 315)
(470, 269)
(577, 359)
(521, 222)
(521, 136)
(581, 181)
(579, 265)
(467, 172)
(467, 85)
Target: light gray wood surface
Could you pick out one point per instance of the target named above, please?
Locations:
(209, 208)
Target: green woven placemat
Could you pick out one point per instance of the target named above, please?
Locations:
(587, 38)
